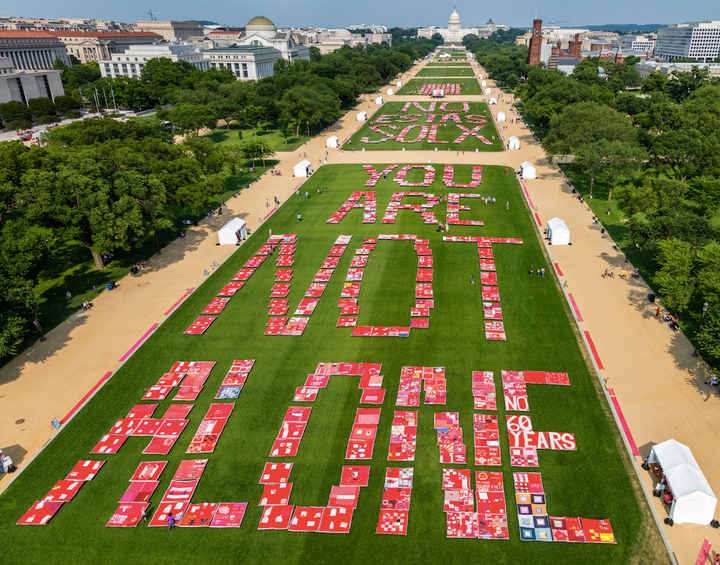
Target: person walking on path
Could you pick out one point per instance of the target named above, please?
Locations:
(657, 313)
(612, 272)
(266, 203)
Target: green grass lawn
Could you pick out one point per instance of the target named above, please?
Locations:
(590, 482)
(448, 72)
(440, 64)
(224, 136)
(448, 132)
(468, 85)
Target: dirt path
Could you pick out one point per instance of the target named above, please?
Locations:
(646, 365)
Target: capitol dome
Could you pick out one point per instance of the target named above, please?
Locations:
(261, 25)
(454, 22)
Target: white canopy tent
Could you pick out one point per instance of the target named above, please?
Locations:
(303, 169)
(488, 91)
(398, 84)
(557, 232)
(513, 142)
(480, 77)
(391, 91)
(362, 116)
(492, 100)
(379, 100)
(232, 232)
(501, 116)
(694, 500)
(483, 83)
(333, 141)
(527, 170)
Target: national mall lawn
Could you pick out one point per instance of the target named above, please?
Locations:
(469, 85)
(592, 482)
(447, 132)
(446, 72)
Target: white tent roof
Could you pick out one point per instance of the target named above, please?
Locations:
(399, 84)
(501, 116)
(492, 100)
(513, 142)
(302, 168)
(231, 232)
(694, 499)
(362, 116)
(332, 141)
(379, 100)
(483, 83)
(488, 91)
(391, 91)
(557, 224)
(528, 170)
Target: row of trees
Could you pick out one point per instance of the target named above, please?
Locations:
(107, 184)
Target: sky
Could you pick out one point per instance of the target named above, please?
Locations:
(400, 13)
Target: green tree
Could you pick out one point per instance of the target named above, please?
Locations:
(676, 280)
(191, 118)
(705, 191)
(315, 54)
(655, 82)
(161, 76)
(254, 149)
(66, 103)
(586, 123)
(303, 104)
(709, 335)
(41, 106)
(13, 111)
(80, 195)
(708, 276)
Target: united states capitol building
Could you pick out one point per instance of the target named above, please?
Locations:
(454, 32)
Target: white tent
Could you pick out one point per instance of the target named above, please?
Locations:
(480, 77)
(232, 232)
(488, 91)
(528, 170)
(513, 142)
(379, 100)
(694, 500)
(362, 116)
(558, 232)
(399, 84)
(483, 83)
(501, 116)
(391, 91)
(333, 141)
(492, 100)
(303, 169)
(438, 93)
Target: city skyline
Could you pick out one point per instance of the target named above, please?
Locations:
(392, 13)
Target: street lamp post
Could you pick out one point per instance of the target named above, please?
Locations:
(307, 123)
